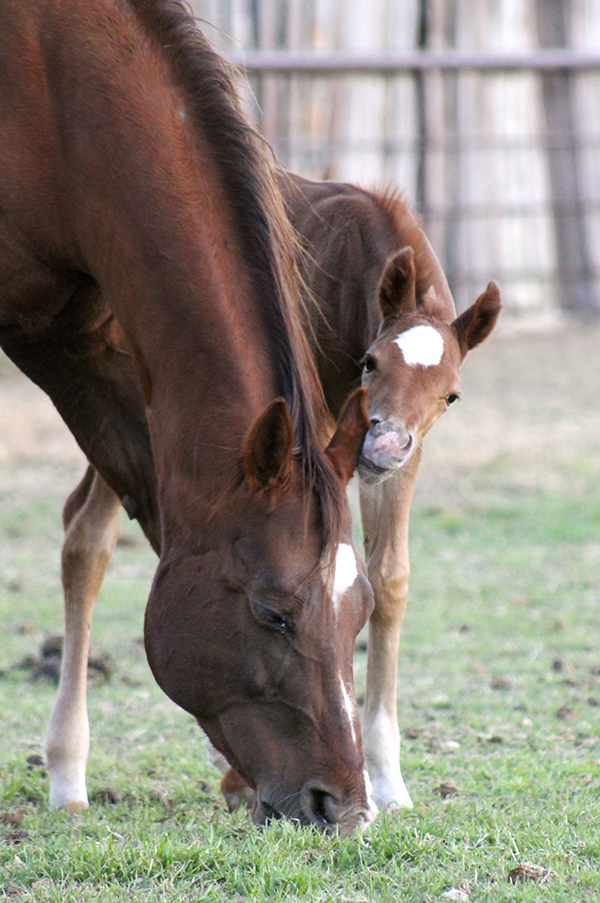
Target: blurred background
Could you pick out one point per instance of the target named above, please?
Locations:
(485, 112)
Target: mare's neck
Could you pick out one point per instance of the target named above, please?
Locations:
(154, 227)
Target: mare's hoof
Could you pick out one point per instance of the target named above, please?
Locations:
(76, 806)
(240, 799)
(237, 794)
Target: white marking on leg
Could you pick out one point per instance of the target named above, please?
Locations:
(67, 788)
(382, 750)
(89, 542)
(346, 572)
(422, 345)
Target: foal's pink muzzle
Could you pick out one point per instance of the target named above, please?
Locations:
(386, 447)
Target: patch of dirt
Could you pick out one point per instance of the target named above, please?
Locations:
(46, 666)
(528, 871)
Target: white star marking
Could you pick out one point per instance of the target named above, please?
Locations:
(421, 345)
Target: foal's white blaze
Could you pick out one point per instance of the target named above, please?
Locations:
(421, 345)
(346, 571)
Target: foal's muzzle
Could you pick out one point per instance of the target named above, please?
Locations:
(386, 447)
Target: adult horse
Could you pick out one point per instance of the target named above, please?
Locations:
(384, 316)
(142, 244)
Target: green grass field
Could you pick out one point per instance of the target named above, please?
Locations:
(499, 696)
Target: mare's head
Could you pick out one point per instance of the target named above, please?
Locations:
(256, 639)
(412, 368)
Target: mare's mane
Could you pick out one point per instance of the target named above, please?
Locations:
(265, 235)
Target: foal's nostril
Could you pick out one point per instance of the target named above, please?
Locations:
(409, 443)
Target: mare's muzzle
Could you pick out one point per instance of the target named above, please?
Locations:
(386, 447)
(315, 805)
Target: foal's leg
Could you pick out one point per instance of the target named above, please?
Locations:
(91, 520)
(385, 510)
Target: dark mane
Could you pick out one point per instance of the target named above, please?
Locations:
(265, 235)
(409, 232)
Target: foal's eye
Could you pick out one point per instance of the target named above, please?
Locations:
(450, 399)
(271, 617)
(369, 363)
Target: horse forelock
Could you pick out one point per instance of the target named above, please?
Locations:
(265, 236)
(429, 272)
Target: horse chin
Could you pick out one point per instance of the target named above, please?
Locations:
(372, 474)
(264, 813)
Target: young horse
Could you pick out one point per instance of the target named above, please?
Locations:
(384, 316)
(385, 319)
(130, 184)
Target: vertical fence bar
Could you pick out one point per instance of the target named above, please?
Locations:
(577, 294)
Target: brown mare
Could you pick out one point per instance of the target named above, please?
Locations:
(375, 279)
(142, 243)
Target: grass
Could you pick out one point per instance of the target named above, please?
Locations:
(499, 683)
(499, 693)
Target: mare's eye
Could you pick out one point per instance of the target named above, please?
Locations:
(271, 617)
(450, 399)
(369, 363)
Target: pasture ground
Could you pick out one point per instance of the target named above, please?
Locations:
(499, 675)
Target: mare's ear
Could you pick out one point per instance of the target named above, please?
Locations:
(397, 293)
(476, 323)
(346, 445)
(267, 455)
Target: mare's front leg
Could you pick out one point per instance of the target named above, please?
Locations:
(91, 520)
(385, 510)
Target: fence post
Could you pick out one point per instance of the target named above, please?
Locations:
(431, 188)
(578, 294)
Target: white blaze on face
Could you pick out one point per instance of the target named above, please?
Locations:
(348, 708)
(346, 572)
(372, 810)
(421, 345)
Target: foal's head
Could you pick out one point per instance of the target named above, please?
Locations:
(412, 368)
(258, 638)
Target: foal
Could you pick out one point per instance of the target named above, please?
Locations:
(384, 319)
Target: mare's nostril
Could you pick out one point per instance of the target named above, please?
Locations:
(320, 807)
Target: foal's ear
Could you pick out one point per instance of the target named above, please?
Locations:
(397, 287)
(267, 455)
(345, 447)
(476, 323)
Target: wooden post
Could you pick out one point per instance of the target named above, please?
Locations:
(578, 294)
(431, 106)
